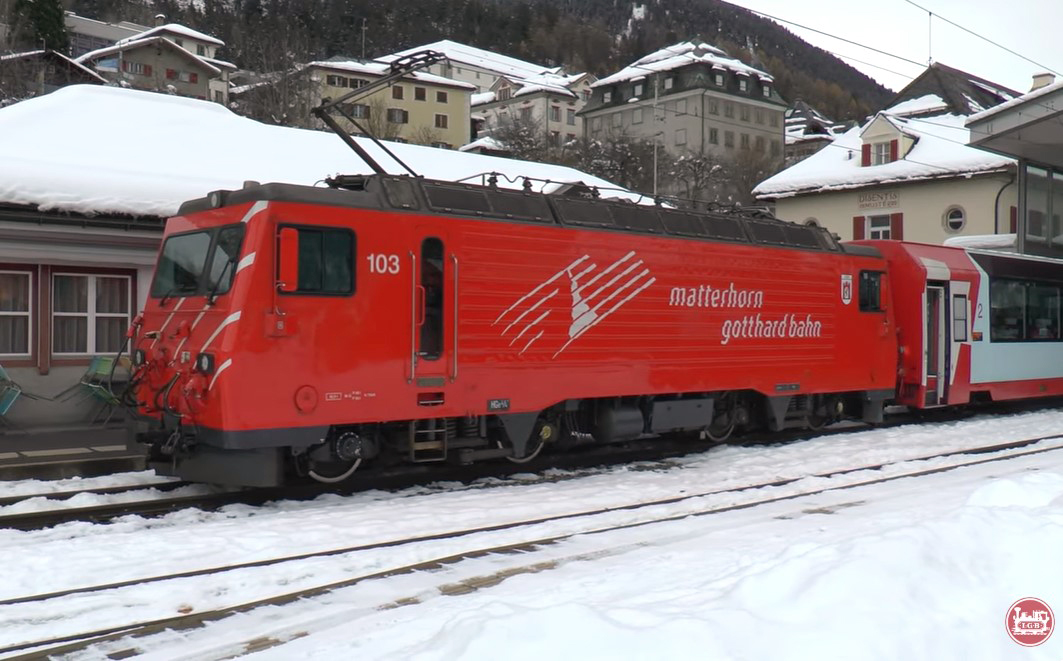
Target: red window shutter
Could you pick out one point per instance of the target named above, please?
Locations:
(1014, 225)
(171, 74)
(894, 150)
(897, 226)
(858, 228)
(865, 155)
(147, 69)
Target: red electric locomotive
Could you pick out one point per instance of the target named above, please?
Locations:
(295, 330)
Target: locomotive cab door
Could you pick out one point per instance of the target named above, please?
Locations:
(433, 339)
(935, 345)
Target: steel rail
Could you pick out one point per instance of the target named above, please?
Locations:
(73, 642)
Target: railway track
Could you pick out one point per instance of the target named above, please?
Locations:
(649, 453)
(525, 539)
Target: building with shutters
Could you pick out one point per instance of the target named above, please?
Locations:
(908, 171)
(167, 58)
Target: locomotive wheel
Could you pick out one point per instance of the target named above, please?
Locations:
(332, 479)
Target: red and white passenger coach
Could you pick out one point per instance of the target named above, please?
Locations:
(296, 330)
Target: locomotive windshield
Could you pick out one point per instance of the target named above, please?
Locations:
(200, 262)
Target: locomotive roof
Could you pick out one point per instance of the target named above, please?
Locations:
(578, 207)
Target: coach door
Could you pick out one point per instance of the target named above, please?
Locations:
(433, 337)
(935, 353)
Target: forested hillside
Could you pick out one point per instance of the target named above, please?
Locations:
(594, 35)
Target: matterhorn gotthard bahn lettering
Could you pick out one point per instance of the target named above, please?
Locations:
(595, 292)
(753, 325)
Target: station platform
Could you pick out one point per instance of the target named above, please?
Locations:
(50, 453)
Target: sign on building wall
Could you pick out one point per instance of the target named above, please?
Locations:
(879, 200)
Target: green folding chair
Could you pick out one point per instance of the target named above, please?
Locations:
(95, 383)
(10, 392)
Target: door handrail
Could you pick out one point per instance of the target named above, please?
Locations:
(454, 358)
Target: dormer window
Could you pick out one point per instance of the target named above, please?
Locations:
(718, 79)
(743, 84)
(880, 153)
(766, 90)
(638, 89)
(669, 82)
(607, 96)
(503, 93)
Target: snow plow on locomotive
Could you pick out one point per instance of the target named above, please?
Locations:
(303, 331)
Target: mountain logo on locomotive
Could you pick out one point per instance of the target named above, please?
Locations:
(631, 279)
(847, 288)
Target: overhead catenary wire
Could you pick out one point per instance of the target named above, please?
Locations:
(982, 37)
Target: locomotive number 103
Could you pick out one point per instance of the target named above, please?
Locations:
(380, 263)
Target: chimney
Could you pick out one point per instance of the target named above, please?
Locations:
(1042, 80)
(160, 19)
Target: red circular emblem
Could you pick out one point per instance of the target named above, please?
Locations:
(1030, 622)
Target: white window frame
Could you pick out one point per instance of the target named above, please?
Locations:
(875, 228)
(636, 116)
(743, 84)
(90, 314)
(29, 314)
(880, 153)
(669, 82)
(948, 217)
(681, 136)
(607, 96)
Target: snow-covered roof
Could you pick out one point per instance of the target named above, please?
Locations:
(383, 69)
(1003, 242)
(61, 160)
(940, 150)
(551, 83)
(922, 105)
(486, 142)
(803, 123)
(470, 55)
(1025, 98)
(92, 56)
(36, 53)
(481, 98)
(681, 55)
(174, 29)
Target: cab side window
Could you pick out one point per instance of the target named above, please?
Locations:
(870, 291)
(326, 261)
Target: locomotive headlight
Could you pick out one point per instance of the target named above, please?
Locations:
(205, 363)
(139, 357)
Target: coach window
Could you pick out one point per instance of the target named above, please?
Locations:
(959, 318)
(870, 291)
(326, 261)
(432, 282)
(1007, 309)
(1043, 312)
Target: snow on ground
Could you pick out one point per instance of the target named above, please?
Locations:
(922, 568)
